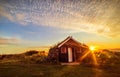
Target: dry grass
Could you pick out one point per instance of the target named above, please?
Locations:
(40, 70)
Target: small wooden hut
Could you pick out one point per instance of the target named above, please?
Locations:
(67, 51)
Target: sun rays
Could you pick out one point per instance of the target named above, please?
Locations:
(90, 54)
(94, 59)
(96, 56)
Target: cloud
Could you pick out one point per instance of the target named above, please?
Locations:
(4, 13)
(99, 17)
(4, 41)
(20, 16)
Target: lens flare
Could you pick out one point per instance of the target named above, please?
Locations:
(92, 48)
(93, 56)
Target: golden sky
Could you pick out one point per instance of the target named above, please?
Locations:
(29, 23)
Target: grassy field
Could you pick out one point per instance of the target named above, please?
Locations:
(38, 70)
(33, 64)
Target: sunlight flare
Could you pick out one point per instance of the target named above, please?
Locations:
(92, 48)
(85, 55)
(94, 59)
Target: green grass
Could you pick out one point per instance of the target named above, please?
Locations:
(36, 70)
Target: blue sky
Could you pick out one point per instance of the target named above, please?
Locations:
(47, 22)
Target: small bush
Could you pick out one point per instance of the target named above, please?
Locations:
(31, 52)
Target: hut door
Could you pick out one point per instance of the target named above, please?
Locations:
(70, 55)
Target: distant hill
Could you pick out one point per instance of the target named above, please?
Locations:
(31, 56)
(115, 50)
(19, 49)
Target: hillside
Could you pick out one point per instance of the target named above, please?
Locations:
(31, 56)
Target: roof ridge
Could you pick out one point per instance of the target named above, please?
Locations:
(61, 43)
(64, 41)
(68, 38)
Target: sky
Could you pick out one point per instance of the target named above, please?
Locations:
(34, 23)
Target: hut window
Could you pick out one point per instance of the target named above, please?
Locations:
(63, 50)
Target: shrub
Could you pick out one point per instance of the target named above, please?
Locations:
(31, 52)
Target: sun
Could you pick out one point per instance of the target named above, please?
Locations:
(92, 48)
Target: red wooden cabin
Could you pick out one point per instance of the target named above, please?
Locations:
(69, 50)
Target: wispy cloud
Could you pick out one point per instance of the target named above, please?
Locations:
(92, 16)
(4, 13)
(5, 41)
